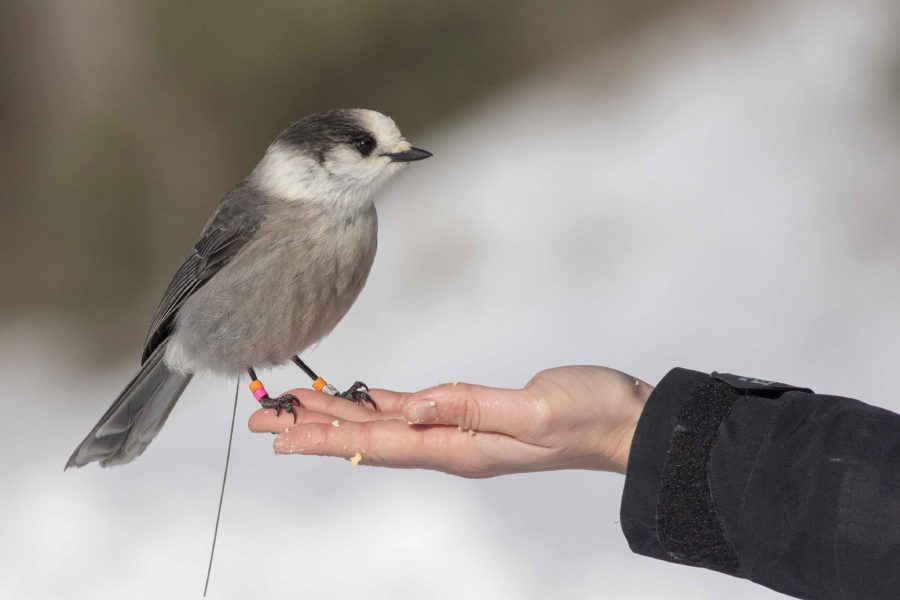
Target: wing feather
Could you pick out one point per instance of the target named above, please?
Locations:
(228, 230)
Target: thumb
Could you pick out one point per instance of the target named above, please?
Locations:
(476, 408)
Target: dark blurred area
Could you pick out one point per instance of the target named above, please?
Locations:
(124, 121)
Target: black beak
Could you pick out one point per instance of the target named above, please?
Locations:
(408, 156)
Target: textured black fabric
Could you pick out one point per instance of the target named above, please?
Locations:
(647, 459)
(804, 488)
(687, 523)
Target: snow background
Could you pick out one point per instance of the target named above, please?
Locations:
(718, 195)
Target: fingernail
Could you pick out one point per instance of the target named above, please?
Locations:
(421, 411)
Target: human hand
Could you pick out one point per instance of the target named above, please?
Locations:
(579, 417)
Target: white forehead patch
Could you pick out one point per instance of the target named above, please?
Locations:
(384, 129)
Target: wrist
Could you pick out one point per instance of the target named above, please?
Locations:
(633, 406)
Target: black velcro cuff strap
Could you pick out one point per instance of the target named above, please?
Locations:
(688, 526)
(647, 461)
(668, 510)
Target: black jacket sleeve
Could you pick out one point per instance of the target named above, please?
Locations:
(797, 491)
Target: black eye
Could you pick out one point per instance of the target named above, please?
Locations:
(365, 145)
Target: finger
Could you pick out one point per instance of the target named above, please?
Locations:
(512, 412)
(388, 405)
(266, 420)
(393, 443)
(317, 407)
(397, 443)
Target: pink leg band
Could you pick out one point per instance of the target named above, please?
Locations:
(260, 393)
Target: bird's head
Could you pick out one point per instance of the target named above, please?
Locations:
(342, 156)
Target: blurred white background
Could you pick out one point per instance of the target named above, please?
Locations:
(713, 193)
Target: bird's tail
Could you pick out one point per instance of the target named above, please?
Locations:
(136, 416)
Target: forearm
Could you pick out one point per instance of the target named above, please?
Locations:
(793, 490)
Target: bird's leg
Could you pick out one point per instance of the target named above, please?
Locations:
(286, 402)
(358, 392)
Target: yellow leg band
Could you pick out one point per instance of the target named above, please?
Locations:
(318, 384)
(255, 385)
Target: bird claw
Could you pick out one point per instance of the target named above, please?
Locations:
(359, 393)
(287, 402)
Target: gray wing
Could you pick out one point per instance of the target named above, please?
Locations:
(230, 227)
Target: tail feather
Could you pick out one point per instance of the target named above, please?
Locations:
(134, 419)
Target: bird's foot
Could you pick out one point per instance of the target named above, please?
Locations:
(359, 393)
(288, 402)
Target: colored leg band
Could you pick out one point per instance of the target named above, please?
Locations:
(259, 392)
(318, 384)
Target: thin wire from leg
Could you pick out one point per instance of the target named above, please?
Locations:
(212, 550)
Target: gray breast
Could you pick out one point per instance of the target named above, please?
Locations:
(285, 290)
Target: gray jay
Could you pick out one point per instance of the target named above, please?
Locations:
(278, 264)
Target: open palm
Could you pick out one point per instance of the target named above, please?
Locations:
(577, 417)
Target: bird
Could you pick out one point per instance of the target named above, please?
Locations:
(278, 264)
